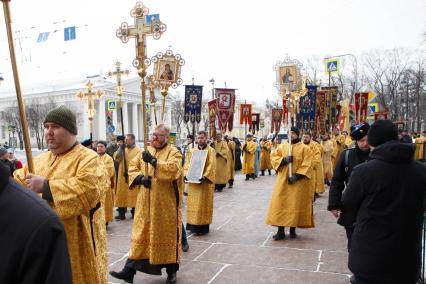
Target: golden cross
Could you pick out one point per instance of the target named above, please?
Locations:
(90, 97)
(118, 73)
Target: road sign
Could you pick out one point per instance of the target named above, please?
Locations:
(112, 105)
(371, 109)
(332, 66)
(172, 138)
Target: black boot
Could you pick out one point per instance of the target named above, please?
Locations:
(263, 173)
(121, 213)
(293, 233)
(280, 235)
(185, 246)
(231, 183)
(247, 177)
(133, 212)
(253, 176)
(171, 278)
(127, 274)
(269, 171)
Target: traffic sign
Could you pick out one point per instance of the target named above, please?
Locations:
(371, 109)
(332, 66)
(112, 105)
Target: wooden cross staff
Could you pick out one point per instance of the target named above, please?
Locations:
(90, 96)
(21, 105)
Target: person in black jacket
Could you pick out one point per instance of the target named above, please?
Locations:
(33, 243)
(348, 160)
(385, 197)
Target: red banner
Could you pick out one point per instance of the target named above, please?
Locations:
(255, 122)
(285, 112)
(380, 115)
(245, 114)
(277, 115)
(225, 107)
(321, 112)
(361, 104)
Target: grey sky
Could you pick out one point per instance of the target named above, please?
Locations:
(233, 41)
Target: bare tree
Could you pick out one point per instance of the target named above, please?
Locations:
(177, 114)
(13, 121)
(35, 114)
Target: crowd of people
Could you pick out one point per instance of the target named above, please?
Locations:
(376, 190)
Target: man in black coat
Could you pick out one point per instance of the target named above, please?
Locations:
(348, 160)
(385, 197)
(33, 245)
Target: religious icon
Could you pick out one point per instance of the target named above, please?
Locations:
(196, 166)
(193, 98)
(224, 100)
(246, 111)
(167, 70)
(288, 74)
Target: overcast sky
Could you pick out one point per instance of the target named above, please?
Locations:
(236, 42)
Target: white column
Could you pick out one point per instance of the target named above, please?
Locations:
(101, 119)
(115, 122)
(135, 120)
(125, 118)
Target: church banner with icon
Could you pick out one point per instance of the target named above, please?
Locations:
(212, 116)
(307, 108)
(255, 123)
(245, 114)
(321, 112)
(277, 114)
(225, 107)
(193, 102)
(361, 105)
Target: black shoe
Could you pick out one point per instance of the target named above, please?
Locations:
(269, 171)
(171, 278)
(293, 233)
(247, 177)
(185, 247)
(279, 236)
(185, 193)
(124, 274)
(263, 173)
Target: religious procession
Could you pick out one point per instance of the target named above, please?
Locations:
(324, 183)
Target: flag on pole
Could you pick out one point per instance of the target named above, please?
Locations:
(245, 114)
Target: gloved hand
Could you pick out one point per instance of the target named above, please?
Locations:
(286, 160)
(147, 157)
(138, 180)
(245, 147)
(146, 182)
(294, 178)
(185, 180)
(202, 180)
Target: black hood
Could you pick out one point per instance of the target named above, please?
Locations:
(4, 175)
(393, 152)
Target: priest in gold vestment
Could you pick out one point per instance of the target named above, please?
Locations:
(327, 159)
(68, 177)
(420, 149)
(249, 149)
(110, 180)
(338, 146)
(291, 203)
(156, 231)
(124, 196)
(318, 171)
(222, 162)
(265, 156)
(231, 162)
(199, 206)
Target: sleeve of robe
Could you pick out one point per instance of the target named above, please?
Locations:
(276, 157)
(335, 149)
(251, 147)
(305, 167)
(210, 168)
(135, 169)
(111, 172)
(223, 151)
(45, 257)
(170, 169)
(77, 195)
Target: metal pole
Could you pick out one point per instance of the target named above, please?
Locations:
(21, 105)
(290, 165)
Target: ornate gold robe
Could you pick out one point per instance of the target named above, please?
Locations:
(420, 148)
(291, 204)
(199, 206)
(327, 161)
(231, 162)
(248, 158)
(157, 227)
(110, 186)
(265, 155)
(318, 174)
(222, 166)
(125, 197)
(338, 147)
(74, 180)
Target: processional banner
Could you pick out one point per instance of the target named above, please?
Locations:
(193, 102)
(212, 116)
(277, 114)
(307, 108)
(245, 114)
(255, 122)
(321, 112)
(361, 104)
(225, 107)
(331, 106)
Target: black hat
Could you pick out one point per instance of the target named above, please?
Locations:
(102, 142)
(359, 131)
(87, 142)
(381, 132)
(64, 117)
(190, 136)
(120, 138)
(296, 130)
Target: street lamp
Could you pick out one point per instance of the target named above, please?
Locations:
(212, 82)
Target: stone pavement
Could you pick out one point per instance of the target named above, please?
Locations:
(240, 248)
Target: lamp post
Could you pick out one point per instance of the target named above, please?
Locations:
(212, 82)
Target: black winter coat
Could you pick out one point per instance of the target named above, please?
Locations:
(385, 197)
(341, 176)
(33, 246)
